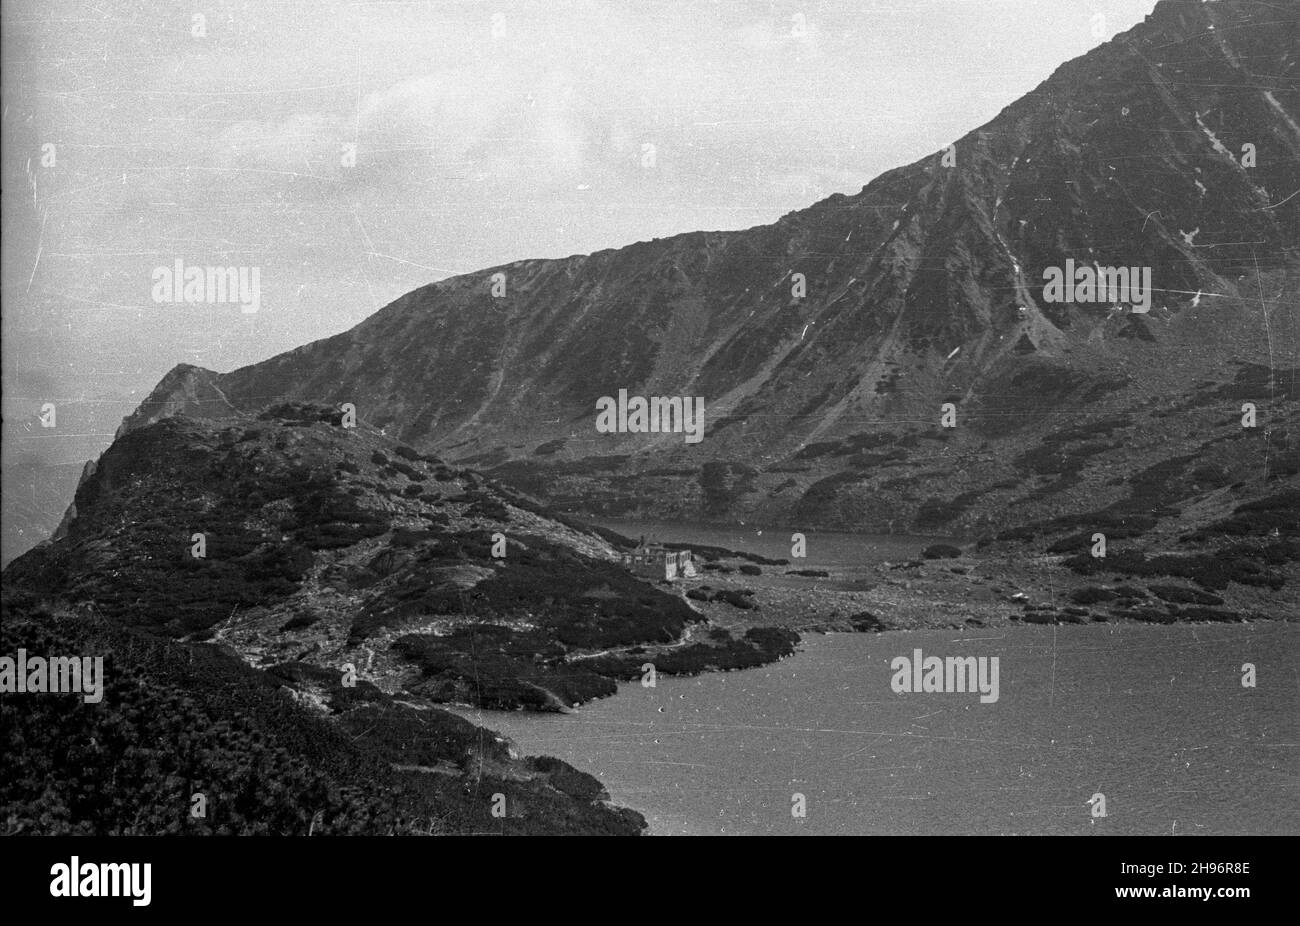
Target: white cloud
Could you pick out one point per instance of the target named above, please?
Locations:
(471, 150)
(303, 142)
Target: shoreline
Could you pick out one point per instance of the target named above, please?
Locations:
(972, 591)
(578, 739)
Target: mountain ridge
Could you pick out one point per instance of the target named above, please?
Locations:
(925, 287)
(244, 545)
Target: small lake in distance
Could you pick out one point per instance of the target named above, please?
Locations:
(826, 549)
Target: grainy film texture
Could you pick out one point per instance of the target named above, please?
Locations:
(708, 417)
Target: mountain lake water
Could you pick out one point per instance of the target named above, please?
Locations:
(825, 549)
(1153, 717)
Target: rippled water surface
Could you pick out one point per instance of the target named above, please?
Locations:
(1155, 718)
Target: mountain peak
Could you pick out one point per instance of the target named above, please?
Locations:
(1165, 159)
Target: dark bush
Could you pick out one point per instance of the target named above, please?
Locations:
(549, 447)
(1091, 595)
(865, 621)
(935, 512)
(565, 778)
(1180, 595)
(736, 599)
(299, 622)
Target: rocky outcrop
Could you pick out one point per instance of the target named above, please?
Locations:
(185, 390)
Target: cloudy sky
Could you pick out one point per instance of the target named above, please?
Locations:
(355, 150)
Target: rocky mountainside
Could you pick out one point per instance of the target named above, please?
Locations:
(298, 540)
(890, 361)
(348, 583)
(824, 345)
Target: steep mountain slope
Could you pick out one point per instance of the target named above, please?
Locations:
(311, 588)
(180, 722)
(1172, 432)
(296, 539)
(1174, 147)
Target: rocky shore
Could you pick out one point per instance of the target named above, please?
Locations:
(974, 589)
